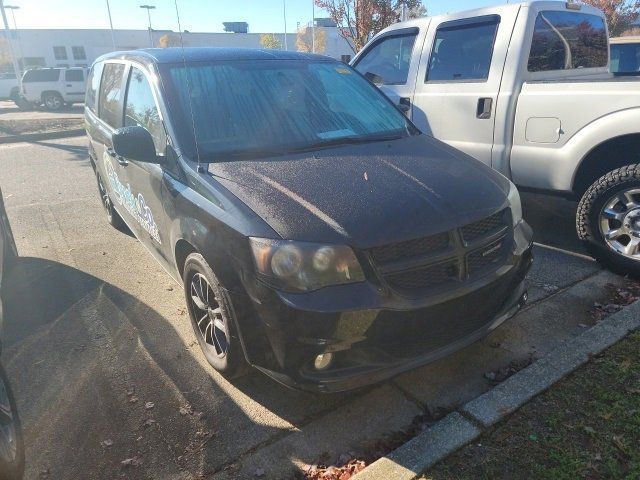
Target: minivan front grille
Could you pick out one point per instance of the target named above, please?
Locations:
(429, 263)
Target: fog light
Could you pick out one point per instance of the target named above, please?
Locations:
(323, 361)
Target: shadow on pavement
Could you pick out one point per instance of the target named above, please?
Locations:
(101, 377)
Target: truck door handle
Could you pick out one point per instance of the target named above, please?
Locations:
(69, 85)
(121, 160)
(484, 108)
(404, 105)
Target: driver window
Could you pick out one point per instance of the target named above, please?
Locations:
(388, 59)
(141, 109)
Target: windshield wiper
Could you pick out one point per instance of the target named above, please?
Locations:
(351, 140)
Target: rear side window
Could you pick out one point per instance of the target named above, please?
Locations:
(625, 58)
(463, 50)
(568, 40)
(141, 108)
(111, 93)
(45, 75)
(93, 82)
(74, 76)
(389, 59)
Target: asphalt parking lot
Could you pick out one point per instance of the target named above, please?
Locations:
(9, 111)
(106, 368)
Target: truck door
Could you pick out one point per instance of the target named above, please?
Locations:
(391, 62)
(459, 79)
(74, 86)
(145, 179)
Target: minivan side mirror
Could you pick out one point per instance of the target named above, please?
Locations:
(134, 143)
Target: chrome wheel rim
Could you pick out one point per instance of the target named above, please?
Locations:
(208, 315)
(620, 223)
(106, 201)
(8, 434)
(53, 102)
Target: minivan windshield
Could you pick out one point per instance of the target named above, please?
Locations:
(245, 109)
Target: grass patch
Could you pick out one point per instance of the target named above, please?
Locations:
(587, 426)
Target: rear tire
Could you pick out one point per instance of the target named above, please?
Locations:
(608, 220)
(11, 441)
(53, 101)
(211, 314)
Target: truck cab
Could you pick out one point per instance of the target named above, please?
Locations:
(526, 89)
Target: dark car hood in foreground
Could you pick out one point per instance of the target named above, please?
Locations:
(368, 194)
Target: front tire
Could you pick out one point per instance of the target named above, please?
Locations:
(608, 220)
(211, 314)
(113, 217)
(53, 101)
(11, 441)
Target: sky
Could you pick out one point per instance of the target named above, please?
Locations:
(263, 16)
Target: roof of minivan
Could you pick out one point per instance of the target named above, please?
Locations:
(207, 54)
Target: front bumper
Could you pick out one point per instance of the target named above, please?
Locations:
(372, 333)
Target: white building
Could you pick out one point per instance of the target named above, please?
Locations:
(80, 47)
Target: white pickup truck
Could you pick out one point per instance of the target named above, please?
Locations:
(526, 89)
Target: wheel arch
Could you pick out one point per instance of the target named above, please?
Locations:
(608, 155)
(182, 250)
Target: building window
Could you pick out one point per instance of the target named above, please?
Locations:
(79, 53)
(60, 53)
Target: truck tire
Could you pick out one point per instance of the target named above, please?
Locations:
(11, 441)
(212, 320)
(52, 101)
(608, 220)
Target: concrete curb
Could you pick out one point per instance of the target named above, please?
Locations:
(449, 434)
(36, 137)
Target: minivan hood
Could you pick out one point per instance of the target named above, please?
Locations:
(368, 194)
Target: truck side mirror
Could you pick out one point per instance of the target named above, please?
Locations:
(134, 143)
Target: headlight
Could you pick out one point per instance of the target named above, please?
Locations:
(302, 266)
(514, 203)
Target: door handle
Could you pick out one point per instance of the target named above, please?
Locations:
(121, 160)
(404, 105)
(69, 85)
(483, 110)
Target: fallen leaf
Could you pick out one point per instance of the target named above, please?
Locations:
(589, 430)
(259, 472)
(149, 405)
(131, 462)
(624, 365)
(106, 443)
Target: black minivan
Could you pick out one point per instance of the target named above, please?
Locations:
(319, 236)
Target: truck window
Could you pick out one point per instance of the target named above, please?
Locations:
(141, 109)
(93, 82)
(463, 51)
(567, 40)
(74, 75)
(45, 75)
(110, 94)
(625, 58)
(389, 59)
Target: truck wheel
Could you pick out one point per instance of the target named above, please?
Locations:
(211, 313)
(113, 217)
(608, 220)
(11, 442)
(52, 101)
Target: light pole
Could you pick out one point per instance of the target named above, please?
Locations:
(284, 14)
(313, 26)
(13, 8)
(149, 8)
(113, 38)
(16, 69)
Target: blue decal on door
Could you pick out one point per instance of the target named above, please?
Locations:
(134, 204)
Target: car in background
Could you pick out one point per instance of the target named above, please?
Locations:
(625, 55)
(54, 87)
(11, 442)
(9, 87)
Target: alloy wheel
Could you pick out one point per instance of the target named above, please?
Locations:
(620, 223)
(53, 102)
(8, 433)
(208, 315)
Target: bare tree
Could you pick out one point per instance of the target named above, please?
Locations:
(359, 20)
(620, 13)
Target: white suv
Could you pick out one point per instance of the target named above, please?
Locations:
(54, 87)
